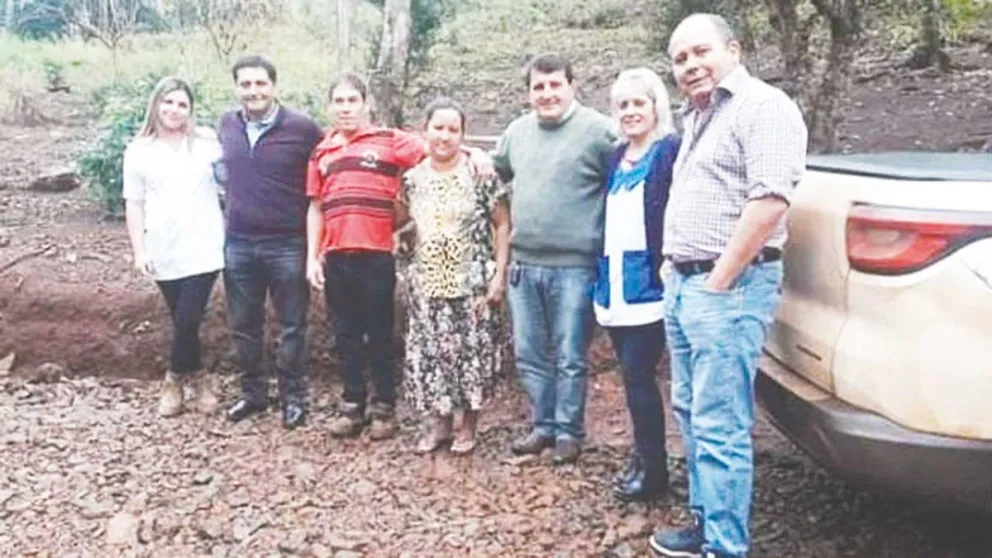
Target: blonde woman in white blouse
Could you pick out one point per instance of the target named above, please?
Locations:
(176, 227)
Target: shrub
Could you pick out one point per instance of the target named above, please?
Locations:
(121, 107)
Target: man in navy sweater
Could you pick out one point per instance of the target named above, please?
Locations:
(266, 149)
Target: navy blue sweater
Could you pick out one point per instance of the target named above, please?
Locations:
(656, 188)
(265, 186)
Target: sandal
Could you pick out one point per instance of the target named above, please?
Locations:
(438, 435)
(463, 447)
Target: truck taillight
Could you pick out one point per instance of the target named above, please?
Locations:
(894, 240)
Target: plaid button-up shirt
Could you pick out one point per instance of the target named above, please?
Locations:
(749, 143)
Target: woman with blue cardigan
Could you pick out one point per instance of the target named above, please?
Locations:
(628, 294)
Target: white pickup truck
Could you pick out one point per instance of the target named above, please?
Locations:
(879, 363)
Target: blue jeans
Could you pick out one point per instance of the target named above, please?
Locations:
(253, 270)
(639, 349)
(553, 323)
(715, 339)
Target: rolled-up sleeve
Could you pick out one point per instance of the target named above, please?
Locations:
(774, 145)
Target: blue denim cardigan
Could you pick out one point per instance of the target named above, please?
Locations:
(656, 189)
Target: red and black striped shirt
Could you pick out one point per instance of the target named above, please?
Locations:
(357, 182)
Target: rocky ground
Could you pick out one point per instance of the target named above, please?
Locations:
(86, 469)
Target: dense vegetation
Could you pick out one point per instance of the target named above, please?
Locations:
(114, 50)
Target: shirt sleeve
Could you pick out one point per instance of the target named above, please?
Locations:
(501, 158)
(409, 149)
(315, 182)
(492, 191)
(774, 143)
(134, 182)
(406, 188)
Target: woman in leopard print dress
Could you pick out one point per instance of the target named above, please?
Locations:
(456, 281)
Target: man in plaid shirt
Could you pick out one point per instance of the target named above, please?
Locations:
(742, 154)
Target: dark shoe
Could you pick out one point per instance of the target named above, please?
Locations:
(384, 424)
(646, 484)
(293, 415)
(681, 543)
(350, 421)
(531, 444)
(244, 409)
(630, 470)
(566, 452)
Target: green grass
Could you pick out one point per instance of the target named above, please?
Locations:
(305, 55)
(480, 52)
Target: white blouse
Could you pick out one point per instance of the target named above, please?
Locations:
(184, 226)
(625, 232)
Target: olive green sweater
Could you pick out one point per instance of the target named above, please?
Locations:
(556, 177)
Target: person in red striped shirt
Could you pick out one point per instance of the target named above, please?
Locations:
(353, 181)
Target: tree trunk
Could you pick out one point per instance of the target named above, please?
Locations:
(388, 79)
(344, 35)
(10, 15)
(931, 52)
(793, 40)
(844, 17)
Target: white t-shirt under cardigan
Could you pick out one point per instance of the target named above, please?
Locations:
(625, 233)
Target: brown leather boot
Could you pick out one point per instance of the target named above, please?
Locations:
(531, 444)
(170, 402)
(384, 424)
(205, 389)
(349, 422)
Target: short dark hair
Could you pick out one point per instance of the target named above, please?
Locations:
(352, 80)
(548, 63)
(253, 61)
(444, 103)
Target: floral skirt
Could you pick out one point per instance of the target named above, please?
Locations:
(452, 355)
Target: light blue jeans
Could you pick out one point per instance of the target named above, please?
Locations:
(553, 323)
(715, 339)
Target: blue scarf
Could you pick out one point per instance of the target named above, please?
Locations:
(636, 175)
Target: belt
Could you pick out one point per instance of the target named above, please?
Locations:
(695, 267)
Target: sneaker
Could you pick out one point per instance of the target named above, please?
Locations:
(384, 423)
(681, 543)
(205, 397)
(531, 444)
(170, 402)
(350, 421)
(566, 452)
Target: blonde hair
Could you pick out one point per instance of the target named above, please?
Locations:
(655, 90)
(149, 129)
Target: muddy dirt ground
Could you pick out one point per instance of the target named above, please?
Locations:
(86, 469)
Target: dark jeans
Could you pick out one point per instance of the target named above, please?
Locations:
(187, 301)
(639, 349)
(253, 270)
(359, 289)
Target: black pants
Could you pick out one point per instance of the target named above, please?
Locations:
(359, 289)
(187, 300)
(639, 349)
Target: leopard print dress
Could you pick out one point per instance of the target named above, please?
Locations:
(452, 354)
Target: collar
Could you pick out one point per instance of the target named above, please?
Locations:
(569, 112)
(266, 120)
(732, 84)
(628, 179)
(334, 140)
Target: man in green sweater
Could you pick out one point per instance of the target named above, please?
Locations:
(554, 157)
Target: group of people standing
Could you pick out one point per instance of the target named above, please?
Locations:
(575, 218)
